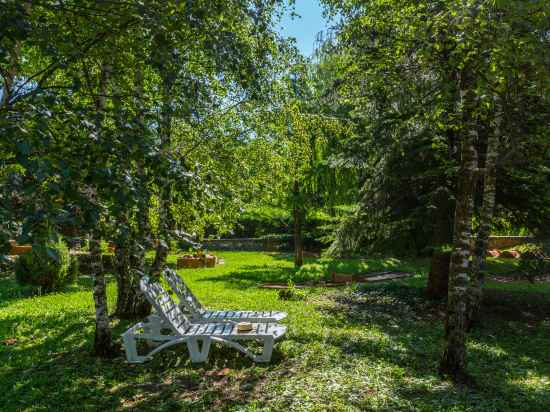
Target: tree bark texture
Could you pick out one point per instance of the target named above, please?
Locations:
(161, 254)
(453, 361)
(165, 130)
(131, 303)
(103, 343)
(485, 221)
(438, 277)
(130, 248)
(298, 217)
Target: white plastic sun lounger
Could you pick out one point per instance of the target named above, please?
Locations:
(190, 305)
(169, 316)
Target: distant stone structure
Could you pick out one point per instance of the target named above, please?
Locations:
(285, 245)
(248, 244)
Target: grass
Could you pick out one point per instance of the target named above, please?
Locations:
(318, 269)
(374, 348)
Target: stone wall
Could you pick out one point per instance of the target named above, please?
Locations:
(248, 244)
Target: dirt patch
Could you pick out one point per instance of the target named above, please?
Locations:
(300, 286)
(403, 301)
(341, 279)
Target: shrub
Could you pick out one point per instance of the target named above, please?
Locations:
(291, 292)
(46, 266)
(535, 260)
(262, 220)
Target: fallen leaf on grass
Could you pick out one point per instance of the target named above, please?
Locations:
(220, 372)
(10, 341)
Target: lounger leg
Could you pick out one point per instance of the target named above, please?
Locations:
(267, 350)
(129, 342)
(198, 354)
(155, 326)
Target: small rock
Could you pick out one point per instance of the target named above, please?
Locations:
(247, 386)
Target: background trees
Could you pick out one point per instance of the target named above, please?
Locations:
(436, 88)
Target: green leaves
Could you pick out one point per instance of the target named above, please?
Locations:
(408, 62)
(97, 143)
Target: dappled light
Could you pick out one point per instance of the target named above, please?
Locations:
(369, 346)
(275, 205)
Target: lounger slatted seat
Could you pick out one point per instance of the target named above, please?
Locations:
(190, 305)
(197, 336)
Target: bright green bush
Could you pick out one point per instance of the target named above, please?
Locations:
(46, 266)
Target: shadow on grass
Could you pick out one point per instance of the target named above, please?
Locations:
(11, 291)
(252, 275)
(312, 271)
(45, 363)
(507, 353)
(502, 267)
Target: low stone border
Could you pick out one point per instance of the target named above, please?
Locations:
(342, 279)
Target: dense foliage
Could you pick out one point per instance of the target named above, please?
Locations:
(46, 266)
(399, 63)
(112, 116)
(439, 90)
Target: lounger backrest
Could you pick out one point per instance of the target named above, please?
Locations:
(187, 299)
(164, 305)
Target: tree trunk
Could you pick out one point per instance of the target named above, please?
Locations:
(130, 251)
(165, 132)
(485, 222)
(122, 270)
(103, 343)
(141, 306)
(453, 361)
(131, 303)
(161, 254)
(438, 279)
(297, 217)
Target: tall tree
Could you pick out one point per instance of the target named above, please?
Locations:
(70, 123)
(403, 63)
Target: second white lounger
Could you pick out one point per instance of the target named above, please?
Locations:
(192, 306)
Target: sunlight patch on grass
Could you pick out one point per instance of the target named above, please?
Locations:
(351, 349)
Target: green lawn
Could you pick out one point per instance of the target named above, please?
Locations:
(374, 348)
